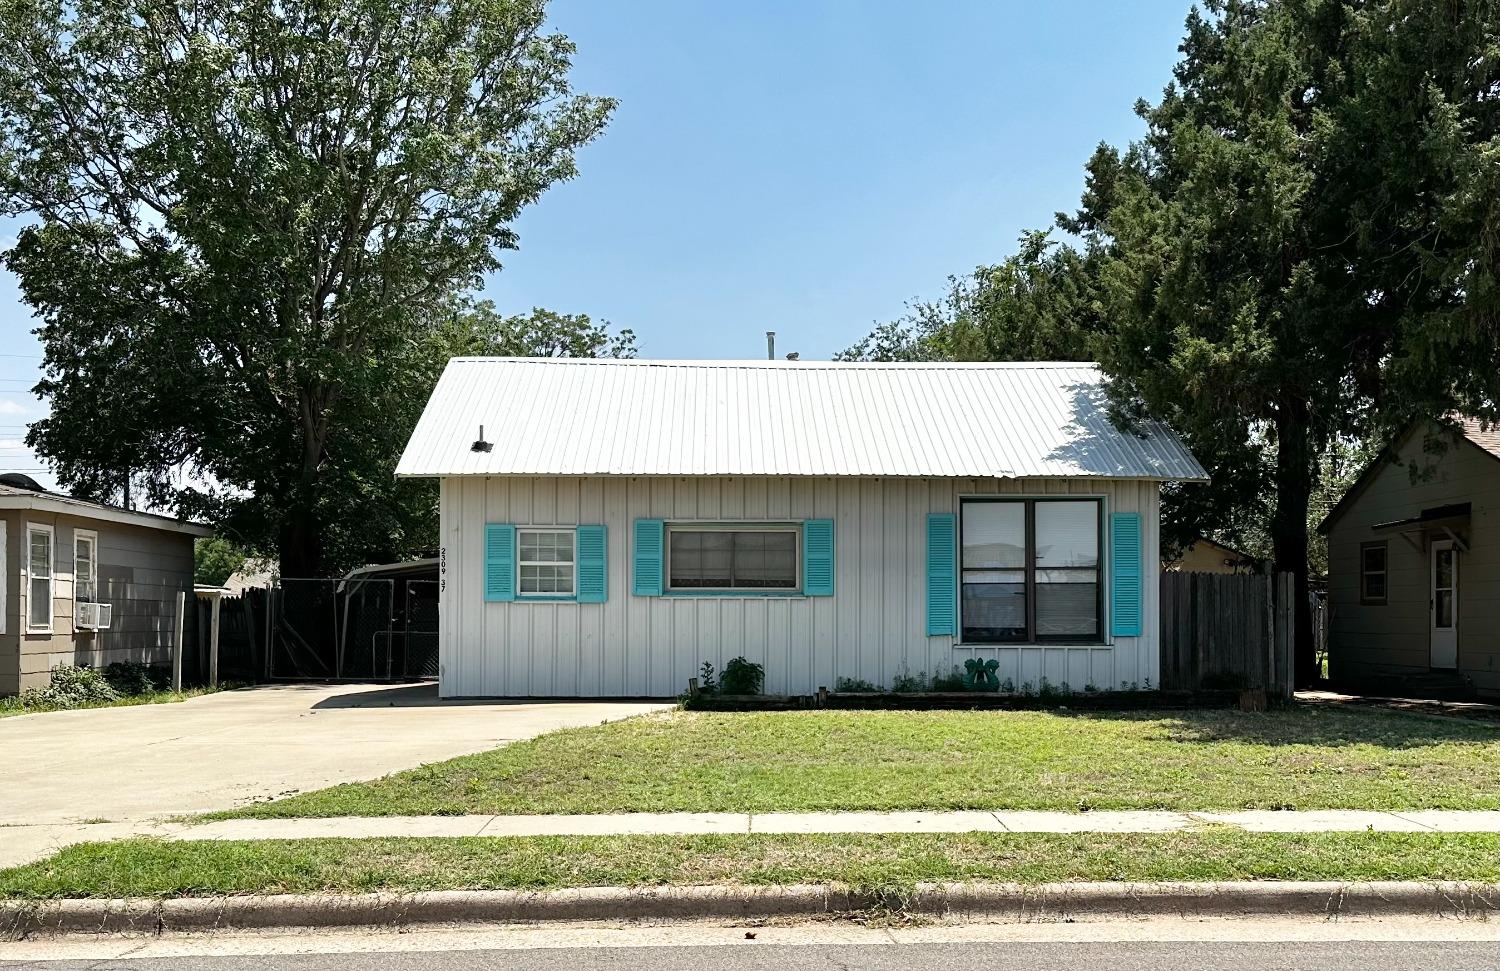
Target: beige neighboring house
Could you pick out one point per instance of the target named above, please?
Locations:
(1204, 555)
(1414, 563)
(258, 573)
(83, 583)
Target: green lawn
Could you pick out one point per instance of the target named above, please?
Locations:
(151, 868)
(1304, 758)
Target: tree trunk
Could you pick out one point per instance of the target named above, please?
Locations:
(1294, 479)
(300, 538)
(300, 542)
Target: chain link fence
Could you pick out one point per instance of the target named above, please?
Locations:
(373, 629)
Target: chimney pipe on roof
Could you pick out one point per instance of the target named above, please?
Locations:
(770, 345)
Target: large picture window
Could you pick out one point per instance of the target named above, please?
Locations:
(545, 564)
(737, 558)
(1030, 570)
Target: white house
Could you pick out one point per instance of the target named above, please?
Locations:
(608, 526)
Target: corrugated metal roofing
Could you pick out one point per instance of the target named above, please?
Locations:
(550, 416)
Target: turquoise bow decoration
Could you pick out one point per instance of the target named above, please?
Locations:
(982, 676)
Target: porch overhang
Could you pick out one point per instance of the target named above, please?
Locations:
(1446, 522)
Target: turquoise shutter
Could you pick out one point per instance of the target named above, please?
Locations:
(499, 562)
(817, 557)
(593, 564)
(650, 535)
(942, 574)
(1125, 574)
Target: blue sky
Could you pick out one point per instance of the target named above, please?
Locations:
(804, 167)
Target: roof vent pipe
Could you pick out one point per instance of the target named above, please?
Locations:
(480, 445)
(770, 345)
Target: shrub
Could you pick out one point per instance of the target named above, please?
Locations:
(70, 687)
(910, 683)
(742, 677)
(953, 681)
(132, 677)
(858, 686)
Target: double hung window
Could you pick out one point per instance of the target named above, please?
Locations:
(1030, 570)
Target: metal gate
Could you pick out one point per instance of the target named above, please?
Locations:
(351, 629)
(421, 629)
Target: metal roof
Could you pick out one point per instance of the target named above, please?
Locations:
(551, 416)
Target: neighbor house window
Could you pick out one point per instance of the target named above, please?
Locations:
(732, 558)
(39, 578)
(85, 565)
(1372, 573)
(1030, 570)
(546, 563)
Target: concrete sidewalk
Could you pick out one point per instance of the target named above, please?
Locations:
(25, 843)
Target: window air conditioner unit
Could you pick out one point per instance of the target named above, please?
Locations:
(93, 616)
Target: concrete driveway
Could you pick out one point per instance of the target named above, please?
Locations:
(127, 766)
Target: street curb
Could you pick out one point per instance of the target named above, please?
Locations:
(1008, 902)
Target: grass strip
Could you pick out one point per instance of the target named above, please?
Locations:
(1302, 758)
(18, 705)
(154, 868)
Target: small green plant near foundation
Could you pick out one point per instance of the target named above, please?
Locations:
(706, 683)
(857, 686)
(953, 681)
(742, 677)
(907, 683)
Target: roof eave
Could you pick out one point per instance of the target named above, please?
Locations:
(127, 517)
(541, 474)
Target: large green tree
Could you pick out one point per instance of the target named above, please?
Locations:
(1299, 256)
(249, 223)
(1041, 304)
(1301, 250)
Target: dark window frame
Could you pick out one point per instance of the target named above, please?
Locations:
(1031, 636)
(1385, 572)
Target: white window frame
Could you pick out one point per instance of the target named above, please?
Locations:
(51, 578)
(573, 565)
(794, 528)
(93, 578)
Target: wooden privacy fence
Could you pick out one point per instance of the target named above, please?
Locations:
(1227, 631)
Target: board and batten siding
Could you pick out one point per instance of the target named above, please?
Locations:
(873, 627)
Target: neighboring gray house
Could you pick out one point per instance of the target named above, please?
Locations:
(608, 526)
(68, 567)
(1414, 561)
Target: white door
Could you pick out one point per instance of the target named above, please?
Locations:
(1444, 605)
